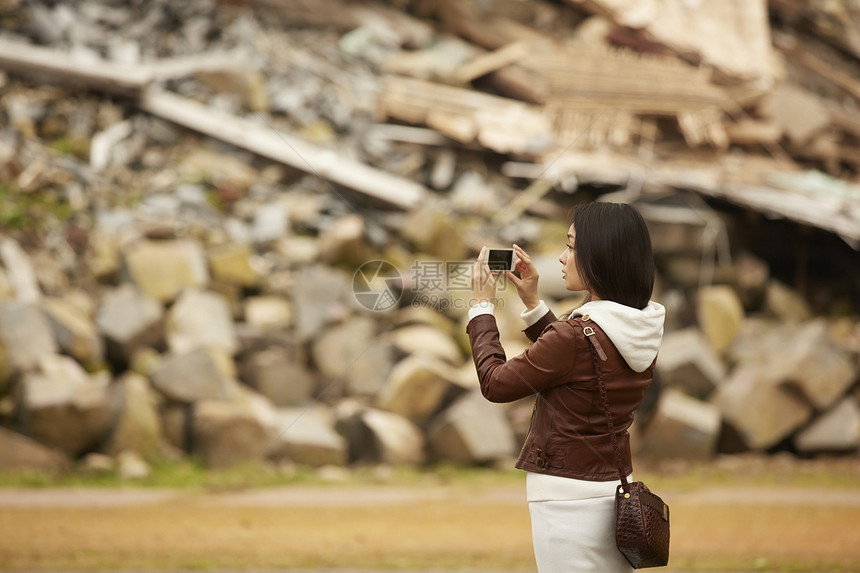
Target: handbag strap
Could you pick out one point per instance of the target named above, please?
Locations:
(598, 355)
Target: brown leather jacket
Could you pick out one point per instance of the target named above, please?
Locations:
(568, 436)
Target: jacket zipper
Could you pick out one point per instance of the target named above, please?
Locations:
(541, 459)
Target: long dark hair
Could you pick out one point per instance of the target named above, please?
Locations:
(613, 253)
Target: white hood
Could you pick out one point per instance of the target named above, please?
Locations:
(635, 333)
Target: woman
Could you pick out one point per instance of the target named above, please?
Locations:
(572, 469)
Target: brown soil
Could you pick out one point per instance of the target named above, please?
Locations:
(384, 527)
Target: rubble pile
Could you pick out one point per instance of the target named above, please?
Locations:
(241, 231)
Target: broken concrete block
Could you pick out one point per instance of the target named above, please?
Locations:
(681, 428)
(418, 387)
(226, 433)
(50, 273)
(176, 424)
(95, 463)
(18, 452)
(278, 372)
(26, 334)
(809, 359)
(196, 375)
(19, 272)
(161, 269)
(130, 465)
(427, 340)
(472, 430)
(232, 264)
(74, 330)
(755, 339)
(268, 312)
(63, 407)
(376, 436)
(136, 423)
(319, 299)
(104, 259)
(352, 352)
(688, 362)
(200, 319)
(837, 430)
(802, 356)
(367, 374)
(307, 436)
(338, 347)
(400, 441)
(129, 320)
(299, 249)
(270, 222)
(762, 412)
(720, 315)
(785, 303)
(343, 242)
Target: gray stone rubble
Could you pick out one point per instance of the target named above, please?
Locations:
(164, 294)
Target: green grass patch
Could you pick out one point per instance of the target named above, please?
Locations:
(21, 211)
(190, 473)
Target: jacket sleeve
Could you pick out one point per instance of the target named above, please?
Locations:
(543, 365)
(534, 331)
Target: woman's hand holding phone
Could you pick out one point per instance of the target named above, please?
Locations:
(527, 283)
(483, 280)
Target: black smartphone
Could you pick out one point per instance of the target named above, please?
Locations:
(500, 260)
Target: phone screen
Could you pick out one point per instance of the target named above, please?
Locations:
(500, 259)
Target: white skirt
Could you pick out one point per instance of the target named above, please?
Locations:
(576, 536)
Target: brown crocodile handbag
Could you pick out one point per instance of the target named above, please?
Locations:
(641, 517)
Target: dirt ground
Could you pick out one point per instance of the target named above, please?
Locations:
(371, 527)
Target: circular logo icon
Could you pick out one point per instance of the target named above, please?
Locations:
(377, 285)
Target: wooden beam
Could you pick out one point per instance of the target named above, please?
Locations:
(54, 66)
(285, 148)
(492, 61)
(815, 64)
(765, 186)
(500, 124)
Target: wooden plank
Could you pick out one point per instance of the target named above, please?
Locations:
(486, 63)
(54, 66)
(753, 132)
(408, 134)
(58, 67)
(603, 78)
(285, 148)
(170, 68)
(522, 84)
(500, 124)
